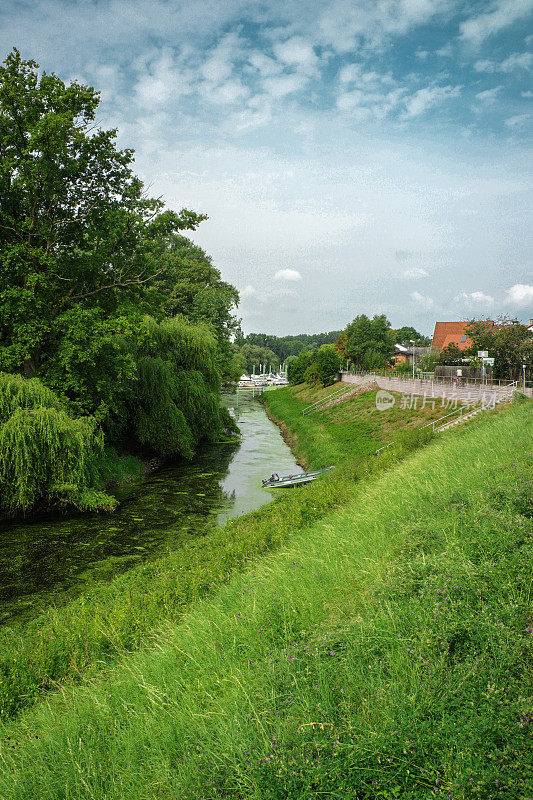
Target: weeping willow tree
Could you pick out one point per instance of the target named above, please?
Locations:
(176, 401)
(47, 457)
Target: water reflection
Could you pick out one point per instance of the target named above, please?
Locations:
(53, 559)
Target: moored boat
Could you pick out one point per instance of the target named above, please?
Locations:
(275, 482)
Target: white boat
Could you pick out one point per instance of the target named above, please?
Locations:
(275, 482)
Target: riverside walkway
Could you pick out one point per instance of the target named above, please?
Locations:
(466, 393)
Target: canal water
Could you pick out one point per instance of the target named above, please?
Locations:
(53, 559)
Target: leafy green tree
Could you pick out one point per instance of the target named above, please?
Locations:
(328, 364)
(429, 361)
(47, 457)
(509, 344)
(189, 284)
(256, 356)
(406, 333)
(368, 342)
(311, 374)
(451, 355)
(76, 235)
(297, 367)
(176, 400)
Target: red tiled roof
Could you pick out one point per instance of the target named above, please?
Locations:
(452, 332)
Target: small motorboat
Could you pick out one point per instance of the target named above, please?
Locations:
(275, 482)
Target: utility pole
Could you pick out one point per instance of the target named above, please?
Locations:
(413, 343)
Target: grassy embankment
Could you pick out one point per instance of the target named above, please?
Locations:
(381, 654)
(62, 644)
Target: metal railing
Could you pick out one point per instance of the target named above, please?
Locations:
(324, 400)
(462, 410)
(443, 380)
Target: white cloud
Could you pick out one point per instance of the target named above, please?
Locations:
(220, 62)
(227, 93)
(527, 94)
(248, 291)
(517, 121)
(415, 272)
(343, 23)
(520, 294)
(296, 52)
(265, 65)
(502, 14)
(355, 73)
(446, 51)
(287, 275)
(160, 80)
(426, 98)
(474, 298)
(423, 300)
(514, 61)
(283, 85)
(488, 96)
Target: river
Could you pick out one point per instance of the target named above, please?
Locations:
(53, 559)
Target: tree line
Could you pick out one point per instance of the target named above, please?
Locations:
(115, 329)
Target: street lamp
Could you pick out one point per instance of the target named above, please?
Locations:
(413, 343)
(524, 377)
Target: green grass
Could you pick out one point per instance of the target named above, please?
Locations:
(381, 653)
(61, 645)
(348, 432)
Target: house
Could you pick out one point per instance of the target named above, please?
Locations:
(403, 353)
(446, 333)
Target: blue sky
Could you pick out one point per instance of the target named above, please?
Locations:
(353, 156)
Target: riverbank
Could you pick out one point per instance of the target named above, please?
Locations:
(381, 652)
(63, 643)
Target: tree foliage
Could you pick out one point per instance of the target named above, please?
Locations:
(75, 224)
(255, 356)
(510, 345)
(367, 341)
(286, 346)
(46, 456)
(451, 355)
(405, 334)
(297, 367)
(328, 364)
(122, 319)
(176, 401)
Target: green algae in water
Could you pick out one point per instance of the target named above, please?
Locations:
(51, 560)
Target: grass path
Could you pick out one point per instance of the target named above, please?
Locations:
(381, 653)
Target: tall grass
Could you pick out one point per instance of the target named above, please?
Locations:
(63, 643)
(380, 654)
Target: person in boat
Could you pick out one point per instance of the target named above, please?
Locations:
(273, 479)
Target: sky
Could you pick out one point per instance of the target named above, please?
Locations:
(353, 156)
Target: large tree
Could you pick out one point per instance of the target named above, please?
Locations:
(510, 345)
(367, 342)
(76, 234)
(188, 284)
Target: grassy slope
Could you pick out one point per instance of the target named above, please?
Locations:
(347, 432)
(381, 654)
(62, 644)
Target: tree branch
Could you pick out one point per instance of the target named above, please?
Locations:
(137, 281)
